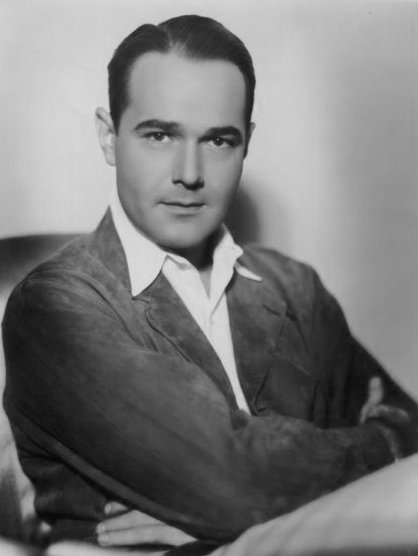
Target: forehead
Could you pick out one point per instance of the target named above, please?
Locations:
(191, 92)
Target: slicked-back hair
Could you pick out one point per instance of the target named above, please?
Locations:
(191, 36)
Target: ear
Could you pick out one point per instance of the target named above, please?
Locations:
(248, 137)
(106, 134)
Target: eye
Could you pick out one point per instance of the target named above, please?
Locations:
(158, 137)
(221, 142)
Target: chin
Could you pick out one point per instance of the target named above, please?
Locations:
(180, 245)
(192, 238)
(184, 243)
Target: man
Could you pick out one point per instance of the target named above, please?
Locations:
(154, 362)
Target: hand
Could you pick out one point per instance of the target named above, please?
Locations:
(394, 416)
(126, 527)
(374, 408)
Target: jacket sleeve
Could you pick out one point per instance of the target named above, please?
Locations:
(152, 429)
(354, 382)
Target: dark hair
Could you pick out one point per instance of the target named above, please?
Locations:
(192, 36)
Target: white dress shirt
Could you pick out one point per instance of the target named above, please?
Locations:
(146, 260)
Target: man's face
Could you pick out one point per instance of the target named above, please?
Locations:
(180, 147)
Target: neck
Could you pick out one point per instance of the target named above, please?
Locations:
(200, 256)
(202, 260)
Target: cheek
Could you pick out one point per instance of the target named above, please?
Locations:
(140, 172)
(227, 179)
(224, 171)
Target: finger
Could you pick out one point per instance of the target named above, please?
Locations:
(112, 508)
(152, 534)
(127, 520)
(395, 414)
(392, 415)
(373, 411)
(174, 536)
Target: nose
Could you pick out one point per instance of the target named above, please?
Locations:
(187, 169)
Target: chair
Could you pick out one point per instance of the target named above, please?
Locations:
(17, 517)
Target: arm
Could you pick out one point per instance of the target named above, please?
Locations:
(357, 388)
(152, 429)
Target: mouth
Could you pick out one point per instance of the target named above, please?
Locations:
(181, 207)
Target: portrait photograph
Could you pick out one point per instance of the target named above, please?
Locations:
(209, 277)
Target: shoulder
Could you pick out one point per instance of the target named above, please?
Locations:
(314, 310)
(296, 282)
(280, 271)
(71, 275)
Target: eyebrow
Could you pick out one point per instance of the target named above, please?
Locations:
(168, 127)
(224, 130)
(175, 128)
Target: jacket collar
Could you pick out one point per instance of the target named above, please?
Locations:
(105, 245)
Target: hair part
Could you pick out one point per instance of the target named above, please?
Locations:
(191, 36)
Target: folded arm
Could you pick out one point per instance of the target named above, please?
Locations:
(152, 429)
(357, 388)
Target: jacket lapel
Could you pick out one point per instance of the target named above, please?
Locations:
(104, 244)
(165, 311)
(168, 315)
(256, 319)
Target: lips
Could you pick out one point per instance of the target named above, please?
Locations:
(183, 207)
(183, 204)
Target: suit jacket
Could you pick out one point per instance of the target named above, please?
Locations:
(112, 396)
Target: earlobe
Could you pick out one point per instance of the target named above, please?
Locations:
(248, 137)
(106, 134)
